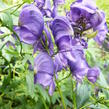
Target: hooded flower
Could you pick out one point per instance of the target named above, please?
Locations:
(44, 68)
(31, 24)
(93, 74)
(70, 49)
(85, 15)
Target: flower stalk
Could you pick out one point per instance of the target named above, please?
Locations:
(60, 92)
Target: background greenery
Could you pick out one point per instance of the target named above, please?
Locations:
(17, 90)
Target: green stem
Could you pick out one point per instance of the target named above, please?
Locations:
(46, 45)
(83, 107)
(52, 37)
(60, 92)
(106, 88)
(44, 103)
(94, 102)
(74, 94)
(3, 10)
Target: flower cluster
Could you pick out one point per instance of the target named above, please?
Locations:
(69, 33)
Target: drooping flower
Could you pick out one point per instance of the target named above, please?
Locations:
(93, 74)
(85, 15)
(44, 69)
(31, 24)
(71, 49)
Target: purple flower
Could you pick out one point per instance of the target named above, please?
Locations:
(85, 15)
(93, 74)
(72, 54)
(31, 24)
(44, 69)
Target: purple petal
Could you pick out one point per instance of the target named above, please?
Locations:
(44, 68)
(93, 74)
(52, 88)
(43, 78)
(78, 64)
(36, 24)
(102, 30)
(25, 35)
(43, 62)
(61, 27)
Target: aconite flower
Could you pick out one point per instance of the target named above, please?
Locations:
(44, 69)
(31, 24)
(85, 15)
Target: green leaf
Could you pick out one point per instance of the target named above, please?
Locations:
(6, 20)
(55, 97)
(30, 83)
(102, 81)
(83, 94)
(43, 92)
